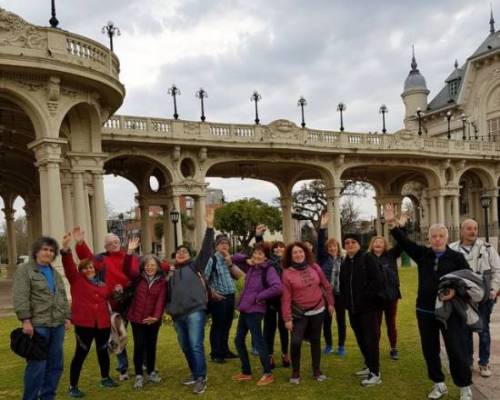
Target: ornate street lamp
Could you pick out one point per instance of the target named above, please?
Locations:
(174, 218)
(53, 20)
(464, 121)
(302, 103)
(383, 110)
(419, 116)
(486, 203)
(448, 118)
(111, 30)
(202, 94)
(341, 107)
(256, 97)
(174, 92)
(382, 224)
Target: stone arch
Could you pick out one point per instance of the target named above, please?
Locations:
(81, 125)
(486, 178)
(472, 182)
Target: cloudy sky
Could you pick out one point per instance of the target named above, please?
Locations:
(357, 52)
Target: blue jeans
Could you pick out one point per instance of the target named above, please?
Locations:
(190, 330)
(251, 322)
(485, 309)
(42, 377)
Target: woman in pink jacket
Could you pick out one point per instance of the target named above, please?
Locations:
(306, 295)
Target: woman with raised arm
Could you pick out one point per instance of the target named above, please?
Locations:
(146, 310)
(187, 298)
(306, 295)
(330, 260)
(90, 316)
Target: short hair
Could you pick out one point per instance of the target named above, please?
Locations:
(147, 258)
(86, 262)
(44, 241)
(467, 221)
(372, 241)
(435, 227)
(333, 241)
(109, 236)
(288, 254)
(278, 243)
(264, 247)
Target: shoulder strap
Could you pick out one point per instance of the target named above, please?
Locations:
(214, 268)
(263, 277)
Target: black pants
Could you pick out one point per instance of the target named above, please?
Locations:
(455, 341)
(84, 337)
(310, 327)
(145, 340)
(272, 320)
(222, 313)
(366, 329)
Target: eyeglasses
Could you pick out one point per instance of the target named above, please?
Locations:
(182, 251)
(350, 242)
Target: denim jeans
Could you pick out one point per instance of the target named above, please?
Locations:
(485, 309)
(190, 330)
(251, 322)
(42, 377)
(222, 318)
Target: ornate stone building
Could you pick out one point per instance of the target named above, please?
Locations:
(59, 135)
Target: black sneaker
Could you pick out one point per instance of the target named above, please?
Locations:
(230, 355)
(218, 360)
(200, 386)
(394, 354)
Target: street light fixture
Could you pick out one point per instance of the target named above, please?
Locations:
(53, 20)
(111, 30)
(448, 117)
(174, 218)
(174, 92)
(202, 94)
(464, 121)
(382, 224)
(341, 107)
(486, 203)
(256, 97)
(383, 110)
(302, 103)
(419, 116)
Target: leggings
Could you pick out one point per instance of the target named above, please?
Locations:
(272, 320)
(145, 340)
(390, 312)
(307, 327)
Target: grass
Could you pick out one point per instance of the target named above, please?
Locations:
(406, 378)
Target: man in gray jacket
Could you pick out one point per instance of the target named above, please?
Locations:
(40, 302)
(484, 260)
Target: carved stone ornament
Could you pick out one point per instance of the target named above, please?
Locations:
(31, 85)
(53, 88)
(191, 128)
(15, 31)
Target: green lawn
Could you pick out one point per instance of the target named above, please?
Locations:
(405, 378)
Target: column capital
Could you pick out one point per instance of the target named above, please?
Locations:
(47, 150)
(333, 192)
(9, 213)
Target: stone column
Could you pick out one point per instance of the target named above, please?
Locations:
(11, 236)
(145, 233)
(440, 210)
(88, 217)
(447, 211)
(433, 213)
(456, 211)
(29, 224)
(379, 214)
(79, 201)
(199, 215)
(68, 206)
(177, 206)
(286, 210)
(99, 207)
(333, 207)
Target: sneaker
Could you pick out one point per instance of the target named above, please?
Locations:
(218, 360)
(394, 354)
(485, 371)
(254, 351)
(265, 380)
(230, 355)
(363, 373)
(188, 381)
(75, 392)
(320, 377)
(371, 380)
(153, 377)
(341, 351)
(200, 386)
(108, 383)
(295, 379)
(240, 377)
(438, 391)
(139, 382)
(328, 350)
(285, 360)
(123, 377)
(465, 393)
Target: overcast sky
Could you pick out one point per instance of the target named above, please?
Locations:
(357, 52)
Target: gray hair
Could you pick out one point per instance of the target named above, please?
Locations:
(468, 221)
(438, 226)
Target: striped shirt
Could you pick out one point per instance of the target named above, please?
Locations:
(219, 277)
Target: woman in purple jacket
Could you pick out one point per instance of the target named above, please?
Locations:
(261, 283)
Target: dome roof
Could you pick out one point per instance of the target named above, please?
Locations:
(415, 79)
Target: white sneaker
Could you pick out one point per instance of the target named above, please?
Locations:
(363, 373)
(371, 380)
(485, 371)
(465, 393)
(438, 391)
(139, 382)
(123, 377)
(153, 377)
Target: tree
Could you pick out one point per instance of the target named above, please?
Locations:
(241, 217)
(349, 215)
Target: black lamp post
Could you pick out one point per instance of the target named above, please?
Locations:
(473, 123)
(202, 94)
(383, 110)
(256, 97)
(174, 92)
(382, 224)
(486, 203)
(111, 30)
(301, 103)
(464, 121)
(448, 117)
(341, 107)
(53, 20)
(419, 116)
(174, 218)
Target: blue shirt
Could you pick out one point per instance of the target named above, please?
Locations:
(46, 270)
(218, 276)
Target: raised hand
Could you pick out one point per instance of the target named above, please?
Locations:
(133, 244)
(403, 219)
(209, 217)
(325, 217)
(78, 234)
(260, 230)
(66, 241)
(389, 214)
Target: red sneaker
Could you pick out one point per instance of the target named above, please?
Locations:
(240, 377)
(265, 380)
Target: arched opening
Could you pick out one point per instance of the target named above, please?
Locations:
(81, 126)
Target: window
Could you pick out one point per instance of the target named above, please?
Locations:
(494, 129)
(453, 87)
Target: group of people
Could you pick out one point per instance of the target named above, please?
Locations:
(294, 289)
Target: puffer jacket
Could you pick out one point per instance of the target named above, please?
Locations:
(254, 294)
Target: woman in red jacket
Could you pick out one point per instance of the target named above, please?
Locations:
(306, 295)
(145, 311)
(90, 315)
